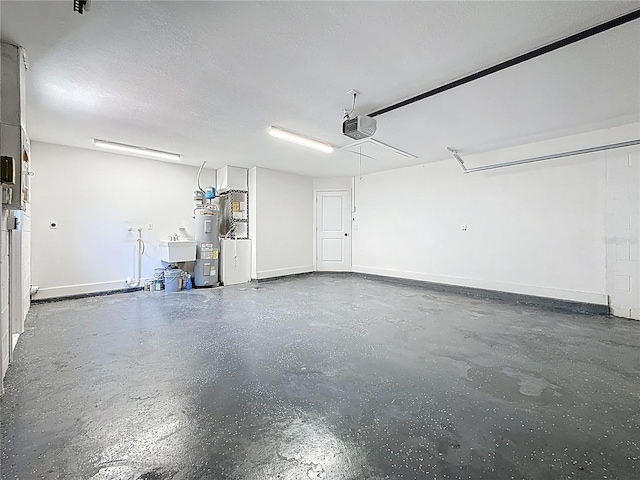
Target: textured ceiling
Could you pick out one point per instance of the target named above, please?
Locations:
(206, 79)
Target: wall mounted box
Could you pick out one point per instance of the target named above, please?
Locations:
(177, 251)
(231, 178)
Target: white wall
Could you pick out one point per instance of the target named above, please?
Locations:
(94, 197)
(622, 232)
(332, 183)
(537, 229)
(281, 229)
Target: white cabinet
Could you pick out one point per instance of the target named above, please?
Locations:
(235, 261)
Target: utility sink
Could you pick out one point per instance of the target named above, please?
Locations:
(175, 251)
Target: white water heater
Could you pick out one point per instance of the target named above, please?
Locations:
(207, 245)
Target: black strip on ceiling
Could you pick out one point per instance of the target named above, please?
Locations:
(589, 32)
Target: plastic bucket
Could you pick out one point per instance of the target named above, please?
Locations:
(172, 279)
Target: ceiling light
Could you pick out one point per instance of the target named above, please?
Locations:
(136, 151)
(299, 139)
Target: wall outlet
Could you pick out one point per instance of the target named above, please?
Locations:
(464, 227)
(53, 225)
(150, 226)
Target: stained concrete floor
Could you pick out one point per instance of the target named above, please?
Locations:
(321, 377)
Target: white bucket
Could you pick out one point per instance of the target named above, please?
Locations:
(172, 279)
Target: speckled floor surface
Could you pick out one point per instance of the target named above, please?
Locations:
(320, 377)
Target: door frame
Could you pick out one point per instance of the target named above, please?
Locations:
(316, 195)
(16, 278)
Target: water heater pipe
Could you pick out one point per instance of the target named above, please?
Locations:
(140, 245)
(198, 178)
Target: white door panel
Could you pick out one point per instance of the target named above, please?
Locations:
(332, 220)
(332, 250)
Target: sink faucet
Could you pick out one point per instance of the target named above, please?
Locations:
(175, 237)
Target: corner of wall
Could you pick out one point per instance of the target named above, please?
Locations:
(5, 329)
(253, 236)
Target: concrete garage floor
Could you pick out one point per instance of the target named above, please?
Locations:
(322, 376)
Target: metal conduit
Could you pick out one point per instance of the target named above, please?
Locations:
(524, 161)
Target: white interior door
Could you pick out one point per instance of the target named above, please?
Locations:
(333, 231)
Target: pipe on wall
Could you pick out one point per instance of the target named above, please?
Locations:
(140, 245)
(524, 161)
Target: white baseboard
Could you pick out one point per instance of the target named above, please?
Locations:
(281, 272)
(560, 294)
(625, 312)
(81, 289)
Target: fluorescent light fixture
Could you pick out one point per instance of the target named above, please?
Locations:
(299, 139)
(136, 151)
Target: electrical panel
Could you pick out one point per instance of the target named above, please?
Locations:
(15, 153)
(7, 170)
